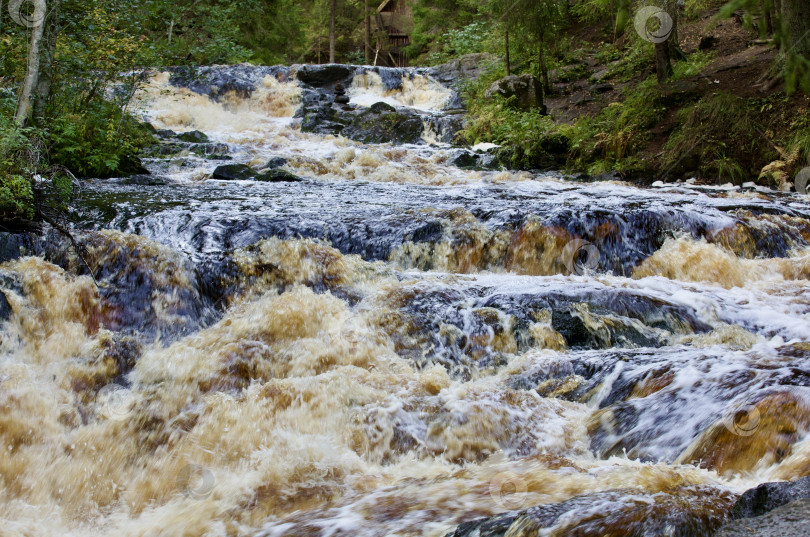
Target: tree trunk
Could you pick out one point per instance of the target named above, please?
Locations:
(543, 69)
(765, 7)
(674, 41)
(368, 35)
(508, 66)
(332, 32)
(663, 67)
(31, 75)
(796, 16)
(43, 92)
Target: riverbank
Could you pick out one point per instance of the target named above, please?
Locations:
(719, 119)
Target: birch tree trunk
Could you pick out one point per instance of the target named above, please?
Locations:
(31, 75)
(51, 32)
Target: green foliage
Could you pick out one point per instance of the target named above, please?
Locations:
(18, 160)
(466, 40)
(432, 20)
(695, 63)
(591, 11)
(100, 141)
(619, 130)
(719, 137)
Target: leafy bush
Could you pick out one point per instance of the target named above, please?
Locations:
(101, 141)
(18, 160)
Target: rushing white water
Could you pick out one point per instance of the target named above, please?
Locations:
(395, 345)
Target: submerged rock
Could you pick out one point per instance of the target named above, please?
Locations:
(276, 162)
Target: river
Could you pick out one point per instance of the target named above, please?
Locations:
(395, 345)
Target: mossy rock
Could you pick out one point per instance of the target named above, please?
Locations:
(195, 137)
(278, 176)
(234, 172)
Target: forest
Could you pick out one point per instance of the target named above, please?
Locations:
(60, 122)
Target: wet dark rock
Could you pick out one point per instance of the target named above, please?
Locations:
(323, 75)
(166, 133)
(790, 520)
(233, 172)
(196, 137)
(382, 123)
(342, 99)
(8, 282)
(219, 80)
(768, 496)
(323, 119)
(5, 307)
(144, 180)
(133, 275)
(276, 162)
(132, 165)
(11, 245)
(617, 512)
(448, 127)
(465, 159)
(525, 91)
(277, 176)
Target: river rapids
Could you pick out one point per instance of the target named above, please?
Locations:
(395, 346)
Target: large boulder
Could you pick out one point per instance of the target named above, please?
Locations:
(234, 172)
(324, 75)
(468, 67)
(788, 520)
(196, 137)
(527, 91)
(686, 512)
(382, 123)
(277, 176)
(768, 496)
(322, 119)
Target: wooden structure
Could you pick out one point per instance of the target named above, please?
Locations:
(391, 25)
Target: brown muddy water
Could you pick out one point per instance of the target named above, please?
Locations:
(394, 345)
